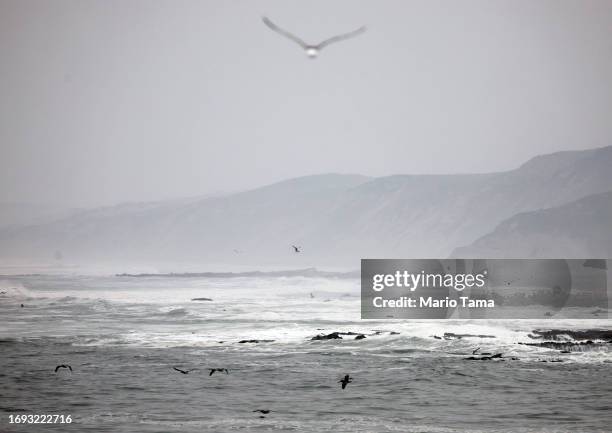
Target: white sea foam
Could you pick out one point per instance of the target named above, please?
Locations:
(159, 312)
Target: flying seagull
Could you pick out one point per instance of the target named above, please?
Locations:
(63, 366)
(264, 411)
(182, 371)
(312, 51)
(346, 380)
(220, 370)
(296, 249)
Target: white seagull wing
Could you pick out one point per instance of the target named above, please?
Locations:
(341, 37)
(283, 32)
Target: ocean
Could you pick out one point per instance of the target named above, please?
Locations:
(123, 336)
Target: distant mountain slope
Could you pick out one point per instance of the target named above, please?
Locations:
(15, 214)
(580, 229)
(337, 219)
(428, 216)
(249, 226)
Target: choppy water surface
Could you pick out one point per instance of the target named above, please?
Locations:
(122, 336)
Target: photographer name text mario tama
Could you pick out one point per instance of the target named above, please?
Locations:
(429, 302)
(412, 281)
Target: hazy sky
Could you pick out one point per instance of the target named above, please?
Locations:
(106, 101)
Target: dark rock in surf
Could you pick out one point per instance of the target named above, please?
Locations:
(451, 335)
(337, 335)
(567, 346)
(380, 331)
(332, 336)
(485, 358)
(564, 334)
(255, 341)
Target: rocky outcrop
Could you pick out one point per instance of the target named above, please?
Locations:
(569, 346)
(485, 358)
(451, 335)
(337, 335)
(569, 334)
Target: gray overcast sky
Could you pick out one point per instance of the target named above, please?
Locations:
(106, 101)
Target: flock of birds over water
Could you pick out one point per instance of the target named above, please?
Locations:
(263, 412)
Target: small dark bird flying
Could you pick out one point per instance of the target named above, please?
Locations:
(345, 380)
(63, 366)
(182, 371)
(296, 249)
(220, 370)
(264, 411)
(312, 51)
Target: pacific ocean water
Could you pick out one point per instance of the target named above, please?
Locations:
(122, 336)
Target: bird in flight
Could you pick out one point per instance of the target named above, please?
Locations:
(312, 51)
(264, 411)
(220, 370)
(296, 249)
(182, 371)
(63, 366)
(345, 380)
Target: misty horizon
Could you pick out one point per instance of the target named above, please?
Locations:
(144, 101)
(339, 219)
(211, 194)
